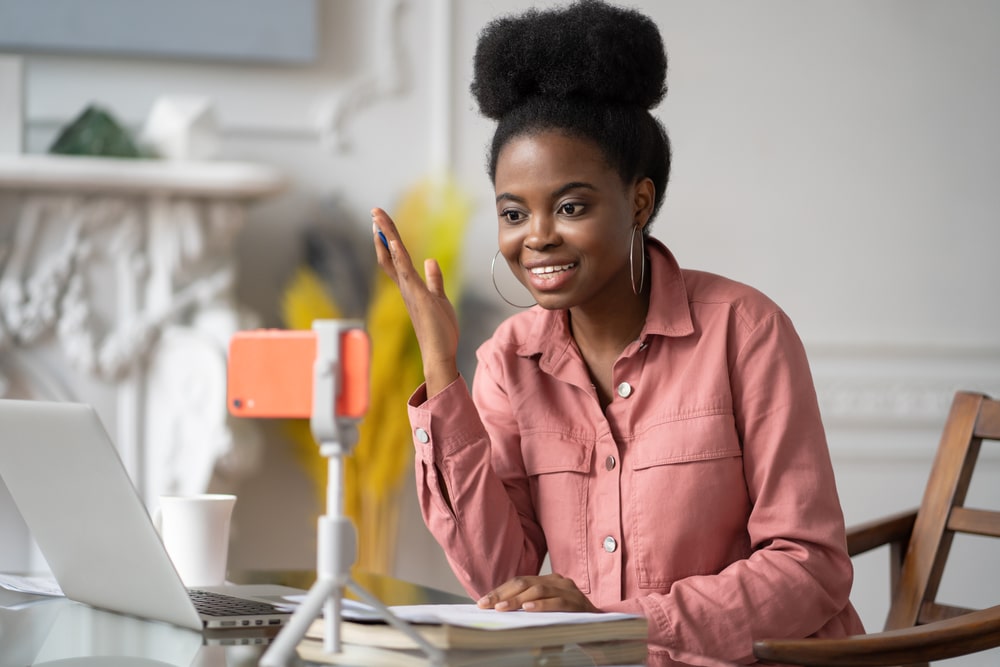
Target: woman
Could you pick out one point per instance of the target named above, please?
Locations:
(653, 430)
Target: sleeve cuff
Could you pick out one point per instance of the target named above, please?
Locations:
(444, 423)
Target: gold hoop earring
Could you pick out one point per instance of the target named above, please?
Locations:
(493, 275)
(631, 259)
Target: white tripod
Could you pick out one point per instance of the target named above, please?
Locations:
(336, 540)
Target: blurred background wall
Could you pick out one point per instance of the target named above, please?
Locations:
(843, 157)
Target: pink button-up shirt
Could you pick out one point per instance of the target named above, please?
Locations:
(703, 497)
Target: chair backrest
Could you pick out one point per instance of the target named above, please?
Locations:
(974, 418)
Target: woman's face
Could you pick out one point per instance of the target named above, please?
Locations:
(566, 220)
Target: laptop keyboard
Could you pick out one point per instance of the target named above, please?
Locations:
(218, 604)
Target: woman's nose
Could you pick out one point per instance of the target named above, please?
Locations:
(542, 232)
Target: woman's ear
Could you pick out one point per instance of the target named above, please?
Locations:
(644, 197)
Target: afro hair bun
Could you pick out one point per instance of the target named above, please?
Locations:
(588, 50)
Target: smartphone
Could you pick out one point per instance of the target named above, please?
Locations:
(270, 373)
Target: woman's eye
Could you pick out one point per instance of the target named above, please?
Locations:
(570, 208)
(512, 216)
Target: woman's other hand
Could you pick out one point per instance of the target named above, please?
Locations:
(548, 592)
(433, 316)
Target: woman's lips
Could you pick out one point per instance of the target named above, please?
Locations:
(550, 276)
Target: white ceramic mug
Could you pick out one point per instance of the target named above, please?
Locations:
(195, 531)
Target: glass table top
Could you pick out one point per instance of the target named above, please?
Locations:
(57, 632)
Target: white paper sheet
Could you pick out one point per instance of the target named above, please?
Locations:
(39, 585)
(471, 616)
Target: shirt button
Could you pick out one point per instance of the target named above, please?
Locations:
(610, 544)
(609, 463)
(624, 390)
(422, 435)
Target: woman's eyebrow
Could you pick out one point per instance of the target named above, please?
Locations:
(573, 185)
(506, 196)
(558, 192)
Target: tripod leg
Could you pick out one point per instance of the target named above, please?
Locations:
(331, 616)
(282, 649)
(435, 654)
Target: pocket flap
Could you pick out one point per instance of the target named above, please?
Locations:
(686, 440)
(554, 452)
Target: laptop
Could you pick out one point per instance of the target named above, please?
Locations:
(66, 478)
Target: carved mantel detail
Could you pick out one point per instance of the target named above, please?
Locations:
(51, 292)
(116, 284)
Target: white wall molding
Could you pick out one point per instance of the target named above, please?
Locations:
(320, 102)
(442, 86)
(385, 79)
(11, 103)
(898, 387)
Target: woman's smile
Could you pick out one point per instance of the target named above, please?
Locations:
(550, 277)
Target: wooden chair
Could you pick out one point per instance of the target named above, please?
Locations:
(919, 629)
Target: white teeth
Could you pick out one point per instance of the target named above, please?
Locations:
(550, 269)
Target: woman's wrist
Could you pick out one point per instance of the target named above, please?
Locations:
(438, 376)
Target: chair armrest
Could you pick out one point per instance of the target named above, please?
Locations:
(969, 633)
(895, 528)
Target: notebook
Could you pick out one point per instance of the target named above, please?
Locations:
(73, 492)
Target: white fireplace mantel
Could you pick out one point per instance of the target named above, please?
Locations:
(113, 176)
(116, 281)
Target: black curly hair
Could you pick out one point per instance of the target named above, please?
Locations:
(590, 70)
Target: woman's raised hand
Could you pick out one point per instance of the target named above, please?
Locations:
(433, 316)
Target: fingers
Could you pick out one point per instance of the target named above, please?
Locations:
(384, 223)
(434, 277)
(381, 222)
(389, 249)
(550, 592)
(539, 597)
(382, 252)
(395, 260)
(501, 597)
(556, 603)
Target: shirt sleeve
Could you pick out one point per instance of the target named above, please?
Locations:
(472, 488)
(797, 580)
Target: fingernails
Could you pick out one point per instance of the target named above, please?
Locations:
(528, 605)
(500, 606)
(483, 601)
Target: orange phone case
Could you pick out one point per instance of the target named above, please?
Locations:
(355, 359)
(270, 373)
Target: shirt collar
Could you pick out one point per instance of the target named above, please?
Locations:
(669, 311)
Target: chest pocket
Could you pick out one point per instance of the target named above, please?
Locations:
(688, 503)
(558, 468)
